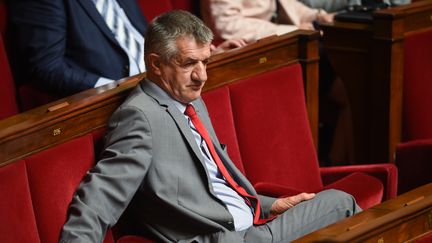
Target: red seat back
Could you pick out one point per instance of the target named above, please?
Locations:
(151, 9)
(417, 101)
(414, 162)
(54, 174)
(219, 106)
(17, 220)
(3, 18)
(188, 5)
(8, 99)
(273, 130)
(263, 121)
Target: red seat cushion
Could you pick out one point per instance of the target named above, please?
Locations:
(273, 129)
(54, 174)
(367, 190)
(17, 220)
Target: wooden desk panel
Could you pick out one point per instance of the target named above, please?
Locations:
(397, 220)
(369, 59)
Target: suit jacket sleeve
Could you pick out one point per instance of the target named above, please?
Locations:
(108, 188)
(41, 32)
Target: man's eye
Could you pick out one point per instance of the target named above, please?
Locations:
(188, 64)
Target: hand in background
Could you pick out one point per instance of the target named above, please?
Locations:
(283, 204)
(227, 45)
(323, 17)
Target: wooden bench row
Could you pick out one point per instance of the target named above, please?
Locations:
(407, 218)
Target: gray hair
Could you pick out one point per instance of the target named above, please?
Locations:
(164, 30)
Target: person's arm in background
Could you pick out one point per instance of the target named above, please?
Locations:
(228, 45)
(230, 20)
(41, 27)
(303, 16)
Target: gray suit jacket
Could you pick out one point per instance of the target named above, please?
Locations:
(152, 163)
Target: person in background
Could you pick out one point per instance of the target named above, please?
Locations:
(65, 47)
(256, 19)
(71, 46)
(164, 165)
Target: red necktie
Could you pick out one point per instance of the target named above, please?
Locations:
(190, 112)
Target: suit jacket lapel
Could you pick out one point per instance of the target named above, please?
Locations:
(177, 116)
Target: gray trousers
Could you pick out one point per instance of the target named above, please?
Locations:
(326, 208)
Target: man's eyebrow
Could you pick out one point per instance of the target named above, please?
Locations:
(191, 59)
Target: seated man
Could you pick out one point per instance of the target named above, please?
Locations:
(163, 162)
(70, 46)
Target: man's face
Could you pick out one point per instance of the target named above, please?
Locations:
(183, 77)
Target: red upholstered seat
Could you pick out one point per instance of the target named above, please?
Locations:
(151, 9)
(8, 99)
(188, 5)
(219, 103)
(417, 100)
(275, 143)
(17, 220)
(29, 96)
(53, 181)
(414, 161)
(3, 18)
(414, 157)
(36, 191)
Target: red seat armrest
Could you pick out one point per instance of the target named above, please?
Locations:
(386, 173)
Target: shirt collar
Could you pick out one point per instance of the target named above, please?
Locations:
(160, 92)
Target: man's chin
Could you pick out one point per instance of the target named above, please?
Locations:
(189, 99)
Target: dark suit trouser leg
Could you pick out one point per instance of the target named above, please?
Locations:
(326, 208)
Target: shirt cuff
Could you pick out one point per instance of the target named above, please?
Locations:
(102, 81)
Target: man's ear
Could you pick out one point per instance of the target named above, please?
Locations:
(155, 63)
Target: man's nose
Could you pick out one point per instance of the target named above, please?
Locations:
(200, 72)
